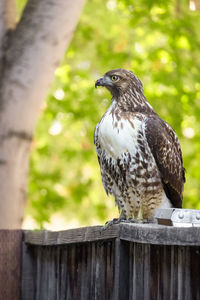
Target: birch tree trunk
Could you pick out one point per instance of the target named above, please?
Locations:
(29, 55)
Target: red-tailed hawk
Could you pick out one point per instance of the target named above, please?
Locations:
(139, 153)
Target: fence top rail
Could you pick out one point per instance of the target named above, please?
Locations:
(141, 233)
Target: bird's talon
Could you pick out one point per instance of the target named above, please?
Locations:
(112, 222)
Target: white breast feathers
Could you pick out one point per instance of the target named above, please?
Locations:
(117, 136)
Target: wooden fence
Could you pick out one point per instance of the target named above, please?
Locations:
(127, 261)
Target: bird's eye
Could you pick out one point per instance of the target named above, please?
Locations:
(114, 78)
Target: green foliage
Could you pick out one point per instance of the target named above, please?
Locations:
(159, 41)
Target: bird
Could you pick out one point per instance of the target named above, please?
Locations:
(139, 154)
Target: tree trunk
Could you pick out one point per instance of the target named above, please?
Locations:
(29, 55)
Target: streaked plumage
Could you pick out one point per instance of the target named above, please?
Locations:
(139, 153)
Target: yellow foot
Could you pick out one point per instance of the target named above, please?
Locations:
(112, 222)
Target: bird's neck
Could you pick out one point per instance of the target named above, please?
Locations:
(133, 101)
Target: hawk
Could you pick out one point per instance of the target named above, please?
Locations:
(139, 154)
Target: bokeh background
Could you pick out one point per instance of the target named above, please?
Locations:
(160, 42)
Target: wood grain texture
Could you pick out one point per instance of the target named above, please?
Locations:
(111, 270)
(126, 261)
(10, 264)
(141, 233)
(78, 271)
(163, 272)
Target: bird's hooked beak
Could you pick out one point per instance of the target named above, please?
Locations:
(106, 81)
(100, 82)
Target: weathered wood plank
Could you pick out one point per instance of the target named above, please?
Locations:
(84, 234)
(121, 278)
(140, 233)
(77, 271)
(126, 261)
(160, 234)
(161, 272)
(113, 270)
(10, 264)
(28, 282)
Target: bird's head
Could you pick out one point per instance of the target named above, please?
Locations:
(118, 81)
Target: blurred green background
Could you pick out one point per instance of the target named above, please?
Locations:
(160, 42)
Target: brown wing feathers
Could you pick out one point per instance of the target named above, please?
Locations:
(165, 148)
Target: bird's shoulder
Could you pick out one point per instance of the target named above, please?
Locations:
(160, 133)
